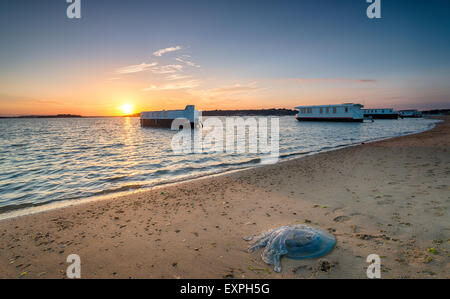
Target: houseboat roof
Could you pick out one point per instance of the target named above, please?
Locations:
(188, 107)
(336, 105)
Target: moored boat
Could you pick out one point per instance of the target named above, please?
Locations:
(410, 113)
(348, 112)
(164, 119)
(381, 113)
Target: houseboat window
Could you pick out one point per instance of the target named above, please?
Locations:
(321, 110)
(327, 110)
(346, 109)
(334, 109)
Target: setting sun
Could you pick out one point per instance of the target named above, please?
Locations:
(127, 109)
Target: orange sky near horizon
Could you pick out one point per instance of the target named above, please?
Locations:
(106, 96)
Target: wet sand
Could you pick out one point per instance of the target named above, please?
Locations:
(389, 198)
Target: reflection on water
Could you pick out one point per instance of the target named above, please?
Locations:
(45, 160)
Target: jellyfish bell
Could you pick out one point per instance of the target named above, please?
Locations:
(308, 242)
(293, 241)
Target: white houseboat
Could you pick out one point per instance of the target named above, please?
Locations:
(165, 118)
(409, 113)
(381, 113)
(348, 112)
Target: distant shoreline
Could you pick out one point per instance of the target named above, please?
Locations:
(247, 112)
(254, 112)
(45, 116)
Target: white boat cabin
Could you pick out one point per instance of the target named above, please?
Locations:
(343, 112)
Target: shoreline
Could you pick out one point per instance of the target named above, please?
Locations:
(388, 197)
(61, 204)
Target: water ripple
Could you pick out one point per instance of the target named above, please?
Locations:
(47, 160)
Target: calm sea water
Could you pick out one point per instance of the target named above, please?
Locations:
(47, 160)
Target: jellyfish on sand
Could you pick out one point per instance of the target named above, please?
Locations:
(294, 241)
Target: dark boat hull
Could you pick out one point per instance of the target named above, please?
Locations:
(382, 116)
(160, 123)
(330, 119)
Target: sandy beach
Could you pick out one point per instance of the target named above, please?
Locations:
(389, 198)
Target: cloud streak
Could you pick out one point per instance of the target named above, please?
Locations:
(173, 77)
(185, 59)
(135, 68)
(167, 69)
(161, 52)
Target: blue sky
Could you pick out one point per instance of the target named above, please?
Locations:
(231, 54)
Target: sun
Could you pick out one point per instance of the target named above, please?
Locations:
(127, 109)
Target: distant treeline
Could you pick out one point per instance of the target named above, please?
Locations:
(252, 112)
(437, 112)
(45, 116)
(262, 112)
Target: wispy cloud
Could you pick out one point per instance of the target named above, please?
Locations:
(325, 80)
(136, 68)
(170, 76)
(186, 60)
(161, 52)
(167, 69)
(173, 77)
(174, 86)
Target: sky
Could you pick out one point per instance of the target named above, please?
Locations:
(234, 54)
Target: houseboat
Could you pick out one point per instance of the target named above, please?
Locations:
(348, 112)
(383, 113)
(164, 119)
(410, 113)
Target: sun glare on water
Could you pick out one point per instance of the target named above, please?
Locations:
(127, 109)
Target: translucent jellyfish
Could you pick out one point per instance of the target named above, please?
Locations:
(294, 241)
